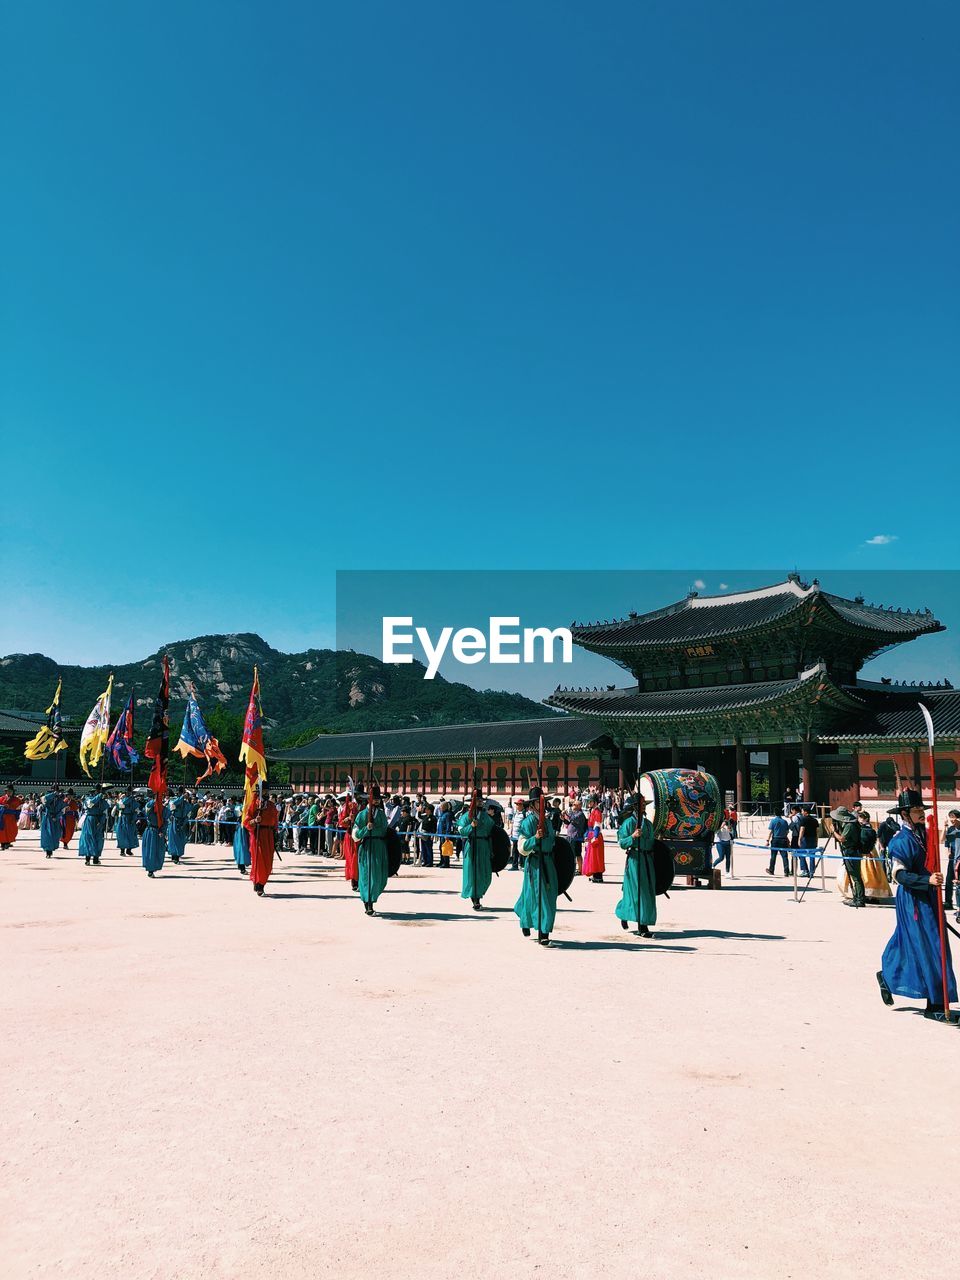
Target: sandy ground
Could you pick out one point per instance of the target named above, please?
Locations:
(198, 1083)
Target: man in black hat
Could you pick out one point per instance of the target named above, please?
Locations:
(537, 904)
(846, 824)
(911, 960)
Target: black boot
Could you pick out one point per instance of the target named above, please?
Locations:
(258, 890)
(476, 904)
(150, 874)
(96, 862)
(355, 885)
(86, 862)
(886, 995)
(544, 939)
(49, 855)
(624, 924)
(525, 932)
(368, 908)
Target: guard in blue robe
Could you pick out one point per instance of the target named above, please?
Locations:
(911, 959)
(154, 846)
(179, 811)
(639, 901)
(126, 828)
(96, 810)
(536, 908)
(370, 833)
(241, 843)
(51, 813)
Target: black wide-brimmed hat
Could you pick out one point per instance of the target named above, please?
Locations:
(535, 793)
(908, 799)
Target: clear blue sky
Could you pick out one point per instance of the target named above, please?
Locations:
(297, 287)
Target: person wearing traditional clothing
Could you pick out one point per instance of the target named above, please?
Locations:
(477, 833)
(537, 904)
(911, 960)
(70, 817)
(27, 815)
(261, 825)
(639, 901)
(10, 806)
(95, 808)
(154, 847)
(593, 860)
(126, 825)
(346, 816)
(241, 843)
(179, 813)
(51, 813)
(370, 832)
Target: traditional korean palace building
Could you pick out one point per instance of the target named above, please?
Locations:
(758, 681)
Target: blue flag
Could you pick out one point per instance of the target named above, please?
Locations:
(197, 740)
(120, 742)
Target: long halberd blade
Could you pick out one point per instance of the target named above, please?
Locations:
(928, 720)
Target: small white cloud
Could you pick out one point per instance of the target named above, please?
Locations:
(723, 586)
(880, 539)
(699, 584)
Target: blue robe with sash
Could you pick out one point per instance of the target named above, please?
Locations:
(126, 828)
(51, 812)
(178, 825)
(96, 811)
(154, 845)
(911, 959)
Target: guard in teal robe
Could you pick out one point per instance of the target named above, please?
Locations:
(179, 811)
(96, 810)
(154, 846)
(477, 855)
(126, 828)
(537, 905)
(370, 834)
(639, 901)
(241, 845)
(51, 813)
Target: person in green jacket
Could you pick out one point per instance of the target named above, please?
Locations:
(537, 904)
(846, 823)
(477, 852)
(639, 901)
(370, 833)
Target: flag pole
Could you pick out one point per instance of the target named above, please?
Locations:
(941, 922)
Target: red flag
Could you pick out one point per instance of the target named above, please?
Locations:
(251, 751)
(158, 743)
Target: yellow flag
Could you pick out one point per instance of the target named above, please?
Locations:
(96, 731)
(50, 738)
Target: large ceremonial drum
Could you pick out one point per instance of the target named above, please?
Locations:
(394, 851)
(500, 849)
(682, 804)
(663, 867)
(565, 863)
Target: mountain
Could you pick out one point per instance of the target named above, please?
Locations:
(302, 693)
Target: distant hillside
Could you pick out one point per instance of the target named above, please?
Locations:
(302, 693)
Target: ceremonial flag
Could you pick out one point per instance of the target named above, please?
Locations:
(96, 730)
(120, 742)
(157, 745)
(49, 739)
(197, 740)
(251, 751)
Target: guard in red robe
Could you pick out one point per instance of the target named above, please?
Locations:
(10, 806)
(346, 817)
(261, 822)
(593, 861)
(68, 820)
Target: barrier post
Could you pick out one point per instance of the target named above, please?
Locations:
(823, 870)
(796, 863)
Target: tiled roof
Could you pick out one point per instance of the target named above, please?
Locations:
(504, 737)
(711, 617)
(664, 704)
(897, 715)
(28, 723)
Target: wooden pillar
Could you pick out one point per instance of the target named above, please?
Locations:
(404, 777)
(674, 756)
(743, 777)
(566, 774)
(807, 766)
(513, 775)
(775, 779)
(856, 773)
(917, 770)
